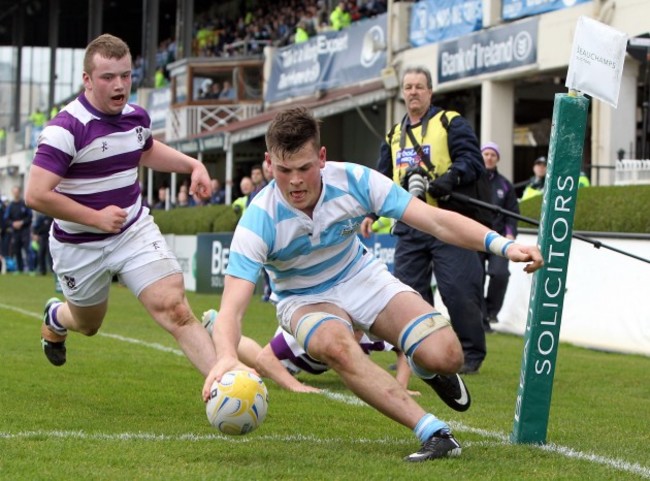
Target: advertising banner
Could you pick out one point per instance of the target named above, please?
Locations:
(184, 248)
(329, 60)
(158, 102)
(436, 20)
(382, 246)
(212, 252)
(512, 9)
(493, 50)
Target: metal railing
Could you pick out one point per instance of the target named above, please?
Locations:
(632, 172)
(191, 120)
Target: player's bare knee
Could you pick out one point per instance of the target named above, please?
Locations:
(180, 313)
(88, 330)
(449, 363)
(339, 352)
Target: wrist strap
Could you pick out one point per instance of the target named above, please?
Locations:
(496, 244)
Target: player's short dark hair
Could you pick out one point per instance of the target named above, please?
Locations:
(290, 130)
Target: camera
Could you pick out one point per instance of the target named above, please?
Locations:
(416, 181)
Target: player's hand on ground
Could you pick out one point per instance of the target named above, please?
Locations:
(525, 253)
(111, 219)
(304, 388)
(220, 368)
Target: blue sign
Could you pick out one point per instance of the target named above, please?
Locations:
(329, 60)
(158, 102)
(382, 246)
(511, 9)
(436, 20)
(212, 254)
(510, 46)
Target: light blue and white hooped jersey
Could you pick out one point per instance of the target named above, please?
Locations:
(306, 255)
(97, 156)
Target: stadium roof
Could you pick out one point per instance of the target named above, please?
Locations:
(119, 17)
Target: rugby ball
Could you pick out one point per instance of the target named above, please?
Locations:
(238, 403)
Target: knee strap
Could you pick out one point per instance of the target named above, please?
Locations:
(418, 329)
(308, 324)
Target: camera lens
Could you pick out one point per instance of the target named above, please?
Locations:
(417, 185)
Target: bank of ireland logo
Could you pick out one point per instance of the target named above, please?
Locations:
(374, 42)
(523, 46)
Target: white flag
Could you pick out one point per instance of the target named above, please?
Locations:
(596, 63)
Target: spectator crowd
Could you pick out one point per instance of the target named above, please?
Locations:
(24, 234)
(248, 32)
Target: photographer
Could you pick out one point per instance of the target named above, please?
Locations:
(452, 158)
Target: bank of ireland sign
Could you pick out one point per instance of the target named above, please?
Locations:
(493, 50)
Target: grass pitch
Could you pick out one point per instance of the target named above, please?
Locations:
(127, 406)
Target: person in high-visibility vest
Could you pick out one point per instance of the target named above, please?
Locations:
(340, 17)
(382, 225)
(159, 78)
(301, 33)
(535, 186)
(246, 187)
(3, 138)
(37, 119)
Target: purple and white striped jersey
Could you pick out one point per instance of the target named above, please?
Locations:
(294, 358)
(97, 155)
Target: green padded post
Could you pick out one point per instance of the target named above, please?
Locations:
(549, 283)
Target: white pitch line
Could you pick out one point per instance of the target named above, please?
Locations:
(567, 452)
(141, 436)
(152, 345)
(502, 438)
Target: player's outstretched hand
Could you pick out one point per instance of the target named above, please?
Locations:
(222, 366)
(304, 388)
(525, 253)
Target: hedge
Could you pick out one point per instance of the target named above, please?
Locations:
(195, 220)
(604, 209)
(598, 209)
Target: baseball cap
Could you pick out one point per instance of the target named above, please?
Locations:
(540, 160)
(492, 146)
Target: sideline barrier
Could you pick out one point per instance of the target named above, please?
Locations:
(606, 304)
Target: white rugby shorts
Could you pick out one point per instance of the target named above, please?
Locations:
(139, 257)
(363, 296)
